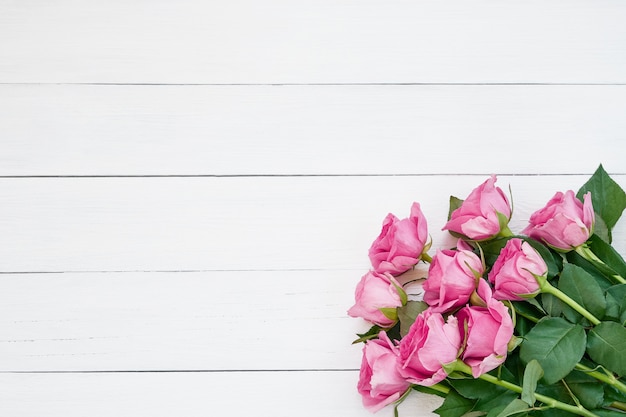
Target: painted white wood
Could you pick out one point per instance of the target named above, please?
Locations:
(179, 321)
(276, 394)
(276, 259)
(321, 41)
(243, 223)
(237, 130)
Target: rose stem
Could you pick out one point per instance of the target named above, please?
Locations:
(585, 252)
(549, 401)
(600, 376)
(545, 287)
(609, 379)
(618, 405)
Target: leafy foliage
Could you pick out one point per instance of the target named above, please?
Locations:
(609, 200)
(557, 345)
(573, 349)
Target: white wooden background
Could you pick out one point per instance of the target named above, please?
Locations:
(188, 189)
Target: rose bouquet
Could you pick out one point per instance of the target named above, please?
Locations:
(506, 325)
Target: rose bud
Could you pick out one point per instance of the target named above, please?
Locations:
(515, 270)
(452, 278)
(489, 330)
(483, 215)
(564, 223)
(380, 382)
(376, 298)
(430, 344)
(400, 243)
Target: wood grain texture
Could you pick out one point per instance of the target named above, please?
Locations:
(237, 320)
(242, 223)
(218, 225)
(329, 41)
(237, 394)
(265, 130)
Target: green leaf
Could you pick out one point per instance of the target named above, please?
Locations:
(515, 367)
(491, 249)
(606, 345)
(579, 285)
(476, 413)
(587, 389)
(612, 394)
(601, 230)
(532, 374)
(552, 305)
(608, 255)
(488, 396)
(370, 334)
(523, 326)
(608, 198)
(516, 406)
(608, 413)
(476, 388)
(602, 276)
(557, 345)
(455, 405)
(498, 402)
(615, 306)
(408, 313)
(455, 203)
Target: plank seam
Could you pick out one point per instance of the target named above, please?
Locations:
(521, 84)
(89, 176)
(182, 371)
(167, 271)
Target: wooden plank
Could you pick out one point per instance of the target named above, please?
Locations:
(321, 41)
(278, 394)
(250, 320)
(241, 223)
(264, 130)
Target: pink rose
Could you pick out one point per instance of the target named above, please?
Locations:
(452, 278)
(489, 330)
(373, 292)
(430, 344)
(564, 223)
(380, 381)
(477, 218)
(400, 243)
(513, 273)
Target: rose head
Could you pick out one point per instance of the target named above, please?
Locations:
(380, 381)
(564, 223)
(488, 332)
(430, 344)
(373, 292)
(452, 278)
(477, 218)
(400, 243)
(513, 273)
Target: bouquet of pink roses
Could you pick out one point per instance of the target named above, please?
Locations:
(529, 324)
